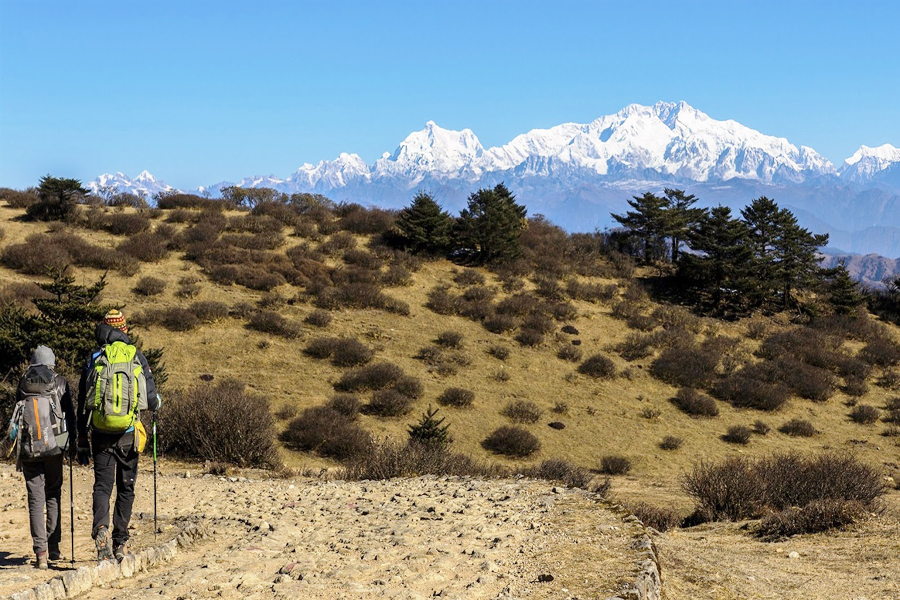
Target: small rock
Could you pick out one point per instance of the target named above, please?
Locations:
(794, 554)
(545, 577)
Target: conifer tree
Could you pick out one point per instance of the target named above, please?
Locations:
(679, 217)
(648, 223)
(424, 226)
(844, 294)
(59, 197)
(429, 431)
(491, 225)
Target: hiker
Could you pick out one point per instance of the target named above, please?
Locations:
(116, 384)
(42, 419)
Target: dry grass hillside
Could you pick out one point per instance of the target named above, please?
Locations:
(550, 324)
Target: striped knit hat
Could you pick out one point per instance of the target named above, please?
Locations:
(115, 318)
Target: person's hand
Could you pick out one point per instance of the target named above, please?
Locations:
(84, 451)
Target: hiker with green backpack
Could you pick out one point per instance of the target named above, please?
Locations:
(116, 385)
(42, 418)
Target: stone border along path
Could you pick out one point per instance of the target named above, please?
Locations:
(73, 583)
(647, 584)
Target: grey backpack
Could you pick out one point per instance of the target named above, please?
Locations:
(38, 415)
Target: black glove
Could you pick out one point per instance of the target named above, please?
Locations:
(84, 452)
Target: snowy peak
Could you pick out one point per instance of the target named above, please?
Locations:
(432, 150)
(871, 164)
(144, 185)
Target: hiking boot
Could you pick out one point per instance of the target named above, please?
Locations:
(120, 552)
(55, 554)
(101, 541)
(40, 560)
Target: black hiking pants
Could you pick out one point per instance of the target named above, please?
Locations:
(120, 466)
(43, 480)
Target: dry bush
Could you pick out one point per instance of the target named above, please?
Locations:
(761, 427)
(19, 199)
(804, 380)
(362, 259)
(598, 366)
(23, 294)
(864, 414)
(737, 434)
(387, 461)
(388, 403)
(641, 322)
(286, 412)
(569, 352)
(359, 295)
(349, 352)
(856, 387)
(409, 386)
(659, 518)
(519, 305)
(320, 347)
(328, 432)
(560, 408)
(254, 223)
(449, 339)
(183, 201)
(371, 377)
(650, 413)
(695, 403)
(345, 404)
(457, 397)
(512, 441)
(730, 490)
(221, 422)
(146, 247)
(41, 252)
(500, 323)
(671, 317)
(209, 311)
(318, 318)
(591, 292)
(338, 242)
(396, 276)
(686, 366)
(636, 346)
(881, 352)
(125, 223)
(798, 428)
(149, 286)
(522, 411)
(188, 290)
(267, 240)
(365, 221)
(756, 330)
(556, 469)
(742, 392)
(539, 322)
(815, 517)
(671, 442)
(614, 464)
(441, 301)
(530, 337)
(499, 352)
(174, 318)
(468, 277)
(267, 321)
(476, 310)
(279, 211)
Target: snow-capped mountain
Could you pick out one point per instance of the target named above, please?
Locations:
(868, 164)
(577, 174)
(144, 185)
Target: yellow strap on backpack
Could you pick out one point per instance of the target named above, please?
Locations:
(140, 436)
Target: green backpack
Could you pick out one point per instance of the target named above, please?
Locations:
(117, 389)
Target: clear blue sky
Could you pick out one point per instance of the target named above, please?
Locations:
(201, 91)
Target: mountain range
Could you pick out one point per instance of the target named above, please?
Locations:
(577, 174)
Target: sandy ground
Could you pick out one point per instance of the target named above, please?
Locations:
(302, 538)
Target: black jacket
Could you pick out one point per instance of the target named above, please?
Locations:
(106, 334)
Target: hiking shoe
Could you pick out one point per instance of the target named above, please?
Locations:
(101, 541)
(55, 555)
(120, 552)
(40, 560)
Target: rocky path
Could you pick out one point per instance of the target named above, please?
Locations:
(413, 538)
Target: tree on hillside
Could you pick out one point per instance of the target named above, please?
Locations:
(490, 226)
(424, 226)
(250, 197)
(647, 223)
(59, 197)
(796, 255)
(719, 264)
(844, 293)
(679, 217)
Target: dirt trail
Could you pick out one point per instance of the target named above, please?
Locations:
(301, 538)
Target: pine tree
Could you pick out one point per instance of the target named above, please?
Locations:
(424, 226)
(719, 264)
(796, 255)
(58, 199)
(679, 217)
(491, 225)
(430, 431)
(647, 223)
(844, 294)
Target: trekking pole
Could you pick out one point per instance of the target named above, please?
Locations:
(72, 507)
(155, 528)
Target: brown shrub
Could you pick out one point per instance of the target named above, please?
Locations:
(328, 432)
(556, 469)
(598, 366)
(19, 199)
(530, 337)
(760, 427)
(499, 352)
(695, 403)
(569, 352)
(149, 286)
(449, 339)
(864, 414)
(671, 442)
(687, 366)
(743, 392)
(457, 397)
(636, 346)
(387, 461)
(512, 441)
(209, 311)
(365, 221)
(348, 352)
(362, 259)
(817, 516)
(221, 422)
(126, 223)
(396, 276)
(441, 301)
(518, 305)
(188, 290)
(409, 386)
(371, 377)
(730, 490)
(591, 292)
(388, 403)
(318, 318)
(737, 434)
(522, 411)
(615, 465)
(660, 518)
(338, 242)
(500, 323)
(345, 404)
(798, 428)
(468, 277)
(267, 321)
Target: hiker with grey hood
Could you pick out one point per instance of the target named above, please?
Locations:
(42, 419)
(116, 384)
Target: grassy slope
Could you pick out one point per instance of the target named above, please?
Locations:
(616, 426)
